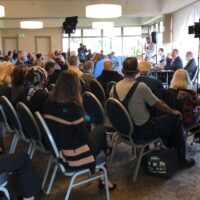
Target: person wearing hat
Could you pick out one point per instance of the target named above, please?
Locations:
(154, 84)
(35, 86)
(168, 126)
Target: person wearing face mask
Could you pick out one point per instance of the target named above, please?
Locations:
(191, 64)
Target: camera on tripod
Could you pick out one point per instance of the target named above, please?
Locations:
(195, 29)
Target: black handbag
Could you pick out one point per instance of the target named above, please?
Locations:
(161, 162)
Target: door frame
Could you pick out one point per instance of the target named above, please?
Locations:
(3, 43)
(36, 37)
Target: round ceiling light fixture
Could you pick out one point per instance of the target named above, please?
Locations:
(103, 11)
(31, 24)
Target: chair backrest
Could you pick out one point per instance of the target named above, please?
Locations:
(48, 138)
(109, 86)
(93, 108)
(2, 115)
(119, 117)
(10, 113)
(28, 122)
(98, 91)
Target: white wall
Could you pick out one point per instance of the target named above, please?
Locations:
(180, 22)
(27, 43)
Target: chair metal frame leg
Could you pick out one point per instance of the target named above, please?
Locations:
(73, 184)
(52, 178)
(4, 190)
(32, 152)
(141, 150)
(30, 148)
(115, 139)
(14, 143)
(47, 171)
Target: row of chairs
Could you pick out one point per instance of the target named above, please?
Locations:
(34, 131)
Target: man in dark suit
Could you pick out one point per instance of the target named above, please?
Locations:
(153, 83)
(176, 62)
(191, 64)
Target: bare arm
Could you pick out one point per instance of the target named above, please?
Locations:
(162, 106)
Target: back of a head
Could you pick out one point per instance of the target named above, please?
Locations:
(108, 65)
(50, 66)
(130, 66)
(18, 75)
(181, 80)
(67, 89)
(73, 60)
(88, 66)
(35, 76)
(144, 67)
(6, 70)
(38, 56)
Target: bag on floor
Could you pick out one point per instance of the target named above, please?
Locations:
(162, 163)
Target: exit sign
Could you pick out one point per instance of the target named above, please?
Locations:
(21, 35)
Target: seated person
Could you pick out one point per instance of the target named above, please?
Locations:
(191, 64)
(64, 113)
(17, 89)
(187, 97)
(153, 83)
(168, 127)
(177, 62)
(35, 89)
(161, 58)
(6, 70)
(108, 75)
(21, 166)
(88, 68)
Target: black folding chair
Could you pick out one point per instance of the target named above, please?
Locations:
(66, 172)
(15, 124)
(98, 91)
(3, 184)
(109, 87)
(121, 121)
(30, 127)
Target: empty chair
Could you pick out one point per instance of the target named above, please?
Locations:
(15, 124)
(66, 172)
(30, 126)
(121, 121)
(3, 184)
(98, 91)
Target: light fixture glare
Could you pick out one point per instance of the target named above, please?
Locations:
(103, 11)
(31, 24)
(2, 11)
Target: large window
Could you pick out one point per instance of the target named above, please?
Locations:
(122, 40)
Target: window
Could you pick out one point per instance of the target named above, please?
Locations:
(132, 46)
(91, 32)
(95, 44)
(132, 30)
(112, 32)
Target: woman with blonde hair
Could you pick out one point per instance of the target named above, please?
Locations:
(6, 70)
(186, 96)
(181, 80)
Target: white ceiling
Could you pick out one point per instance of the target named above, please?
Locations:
(54, 11)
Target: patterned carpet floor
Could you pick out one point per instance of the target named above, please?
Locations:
(184, 185)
